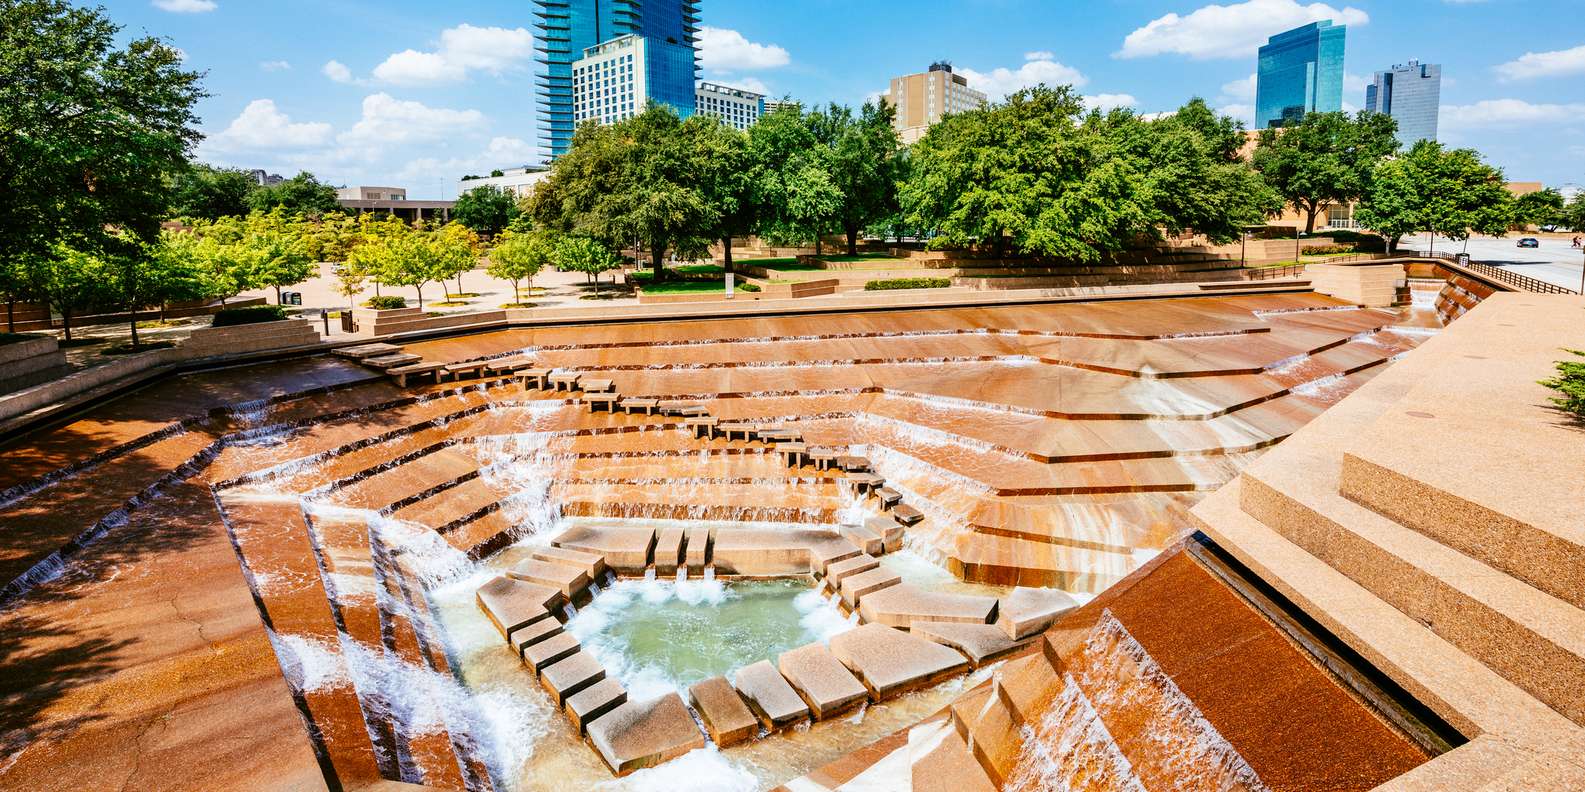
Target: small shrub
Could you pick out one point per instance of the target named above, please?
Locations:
(126, 348)
(252, 314)
(908, 283)
(1328, 250)
(1570, 382)
(748, 287)
(386, 303)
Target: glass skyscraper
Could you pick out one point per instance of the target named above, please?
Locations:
(1412, 95)
(1301, 71)
(569, 27)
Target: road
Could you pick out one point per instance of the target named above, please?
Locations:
(1553, 262)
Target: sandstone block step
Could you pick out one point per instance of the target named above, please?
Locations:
(907, 515)
(644, 734)
(726, 717)
(980, 643)
(824, 683)
(539, 655)
(1027, 611)
(855, 588)
(697, 554)
(900, 605)
(669, 550)
(512, 604)
(592, 564)
(593, 702)
(526, 636)
(839, 571)
(890, 531)
(366, 351)
(570, 675)
(890, 661)
(942, 761)
(394, 360)
(569, 580)
(867, 540)
(823, 554)
(628, 550)
(769, 695)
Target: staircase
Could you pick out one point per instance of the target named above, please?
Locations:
(1435, 522)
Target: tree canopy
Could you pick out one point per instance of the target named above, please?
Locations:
(1451, 192)
(1324, 160)
(302, 194)
(209, 193)
(1543, 207)
(520, 256)
(487, 210)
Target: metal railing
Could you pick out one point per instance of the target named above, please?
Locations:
(1508, 277)
(1271, 273)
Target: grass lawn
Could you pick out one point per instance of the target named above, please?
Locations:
(684, 287)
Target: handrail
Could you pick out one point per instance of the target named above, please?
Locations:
(1514, 279)
(1270, 273)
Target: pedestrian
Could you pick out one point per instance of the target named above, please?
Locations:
(1576, 242)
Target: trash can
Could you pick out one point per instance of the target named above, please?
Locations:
(297, 298)
(1463, 259)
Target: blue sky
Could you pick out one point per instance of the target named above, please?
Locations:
(416, 93)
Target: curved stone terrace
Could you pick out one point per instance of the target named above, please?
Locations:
(344, 580)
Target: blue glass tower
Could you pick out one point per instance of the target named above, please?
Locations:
(1301, 71)
(568, 27)
(1412, 95)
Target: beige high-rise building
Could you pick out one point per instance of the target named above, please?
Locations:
(922, 99)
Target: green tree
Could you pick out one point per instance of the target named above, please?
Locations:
(302, 194)
(726, 176)
(457, 248)
(487, 210)
(636, 179)
(861, 163)
(795, 196)
(413, 260)
(1544, 207)
(517, 257)
(586, 255)
(156, 274)
(210, 193)
(1451, 192)
(91, 132)
(1573, 216)
(1324, 160)
(1197, 180)
(275, 253)
(72, 282)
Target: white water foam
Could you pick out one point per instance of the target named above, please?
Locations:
(310, 664)
(701, 770)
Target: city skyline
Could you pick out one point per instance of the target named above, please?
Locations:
(417, 95)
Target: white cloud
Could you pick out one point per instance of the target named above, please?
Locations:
(501, 152)
(1354, 83)
(186, 6)
(275, 65)
(1544, 64)
(1509, 113)
(262, 126)
(1241, 90)
(337, 71)
(1106, 101)
(1002, 81)
(721, 49)
(1229, 31)
(1040, 55)
(1239, 111)
(462, 49)
(746, 83)
(388, 121)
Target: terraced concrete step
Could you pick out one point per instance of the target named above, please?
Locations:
(821, 680)
(726, 717)
(568, 579)
(452, 506)
(902, 604)
(409, 481)
(769, 694)
(636, 735)
(627, 550)
(890, 661)
(855, 588)
(594, 702)
(980, 643)
(1530, 637)
(571, 675)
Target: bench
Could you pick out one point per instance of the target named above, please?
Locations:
(539, 378)
(680, 410)
(598, 400)
(748, 431)
(647, 406)
(780, 435)
(703, 428)
(792, 453)
(401, 373)
(507, 365)
(865, 483)
(597, 386)
(564, 380)
(889, 497)
(823, 458)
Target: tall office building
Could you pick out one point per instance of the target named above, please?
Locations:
(1412, 95)
(1301, 71)
(570, 28)
(922, 99)
(736, 107)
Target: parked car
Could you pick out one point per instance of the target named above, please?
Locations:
(1529, 242)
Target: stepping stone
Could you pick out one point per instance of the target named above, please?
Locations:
(703, 428)
(524, 637)
(907, 515)
(365, 351)
(890, 531)
(853, 464)
(981, 643)
(564, 380)
(863, 483)
(557, 647)
(512, 604)
(727, 719)
(698, 552)
(638, 735)
(841, 570)
(824, 683)
(645, 406)
(889, 497)
(387, 362)
(598, 401)
(510, 365)
(822, 458)
(593, 386)
(746, 431)
(856, 587)
(898, 606)
(823, 554)
(456, 370)
(1027, 611)
(537, 378)
(568, 676)
(627, 549)
(566, 578)
(890, 661)
(669, 550)
(594, 701)
(592, 564)
(769, 694)
(401, 373)
(792, 453)
(866, 539)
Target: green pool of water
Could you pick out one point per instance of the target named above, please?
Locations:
(662, 635)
